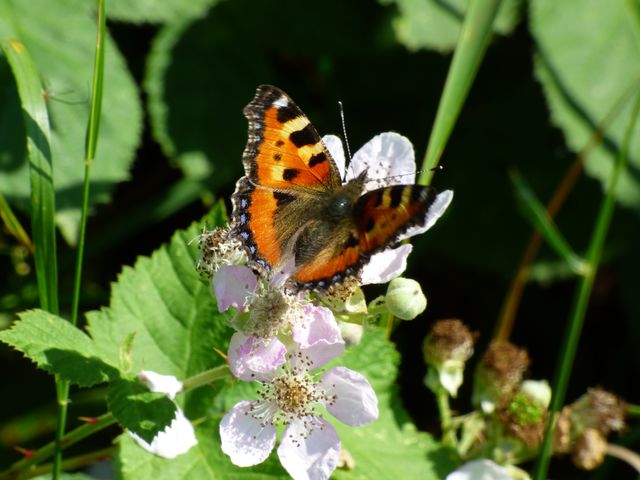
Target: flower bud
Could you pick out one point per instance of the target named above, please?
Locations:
(405, 299)
(589, 450)
(499, 374)
(446, 349)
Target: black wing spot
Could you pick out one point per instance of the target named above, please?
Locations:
(277, 157)
(418, 194)
(290, 173)
(396, 197)
(306, 136)
(317, 159)
(370, 224)
(352, 241)
(286, 113)
(282, 198)
(279, 143)
(378, 200)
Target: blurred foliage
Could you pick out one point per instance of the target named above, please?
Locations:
(548, 81)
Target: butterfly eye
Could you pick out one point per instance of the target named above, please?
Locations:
(340, 206)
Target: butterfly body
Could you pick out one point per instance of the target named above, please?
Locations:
(293, 213)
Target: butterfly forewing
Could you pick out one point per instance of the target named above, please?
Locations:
(284, 150)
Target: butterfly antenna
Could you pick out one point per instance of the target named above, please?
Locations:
(344, 134)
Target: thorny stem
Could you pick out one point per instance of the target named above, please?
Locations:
(74, 462)
(18, 468)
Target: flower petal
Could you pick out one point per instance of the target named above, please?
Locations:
(231, 285)
(355, 401)
(480, 470)
(167, 384)
(435, 211)
(334, 145)
(244, 438)
(388, 159)
(310, 456)
(385, 265)
(174, 440)
(252, 358)
(319, 338)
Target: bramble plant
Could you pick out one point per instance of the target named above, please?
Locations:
(258, 342)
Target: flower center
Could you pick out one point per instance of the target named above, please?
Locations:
(294, 393)
(272, 311)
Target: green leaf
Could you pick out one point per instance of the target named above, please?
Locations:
(205, 461)
(436, 24)
(143, 11)
(137, 409)
(61, 41)
(540, 219)
(166, 314)
(59, 348)
(390, 447)
(583, 77)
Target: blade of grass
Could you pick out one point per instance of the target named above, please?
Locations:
(472, 43)
(91, 144)
(581, 300)
(516, 289)
(13, 224)
(36, 119)
(541, 220)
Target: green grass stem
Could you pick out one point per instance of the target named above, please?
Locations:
(472, 44)
(581, 299)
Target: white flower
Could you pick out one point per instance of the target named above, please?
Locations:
(292, 396)
(480, 470)
(179, 436)
(389, 159)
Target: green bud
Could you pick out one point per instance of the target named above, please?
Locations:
(405, 299)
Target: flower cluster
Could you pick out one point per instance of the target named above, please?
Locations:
(283, 339)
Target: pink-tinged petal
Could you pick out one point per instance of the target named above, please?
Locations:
(388, 159)
(435, 211)
(174, 440)
(334, 145)
(319, 337)
(355, 401)
(252, 358)
(167, 384)
(480, 470)
(386, 265)
(245, 439)
(231, 285)
(313, 456)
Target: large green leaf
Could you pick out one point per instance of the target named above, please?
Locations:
(155, 11)
(165, 314)
(435, 24)
(61, 38)
(58, 347)
(588, 55)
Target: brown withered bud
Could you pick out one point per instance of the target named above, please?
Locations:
(599, 410)
(448, 340)
(589, 450)
(499, 374)
(523, 418)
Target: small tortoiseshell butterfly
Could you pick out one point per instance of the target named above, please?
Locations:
(292, 211)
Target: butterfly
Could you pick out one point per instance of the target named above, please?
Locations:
(293, 213)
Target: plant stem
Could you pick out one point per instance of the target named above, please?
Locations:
(442, 399)
(90, 151)
(49, 449)
(516, 289)
(74, 462)
(218, 373)
(581, 301)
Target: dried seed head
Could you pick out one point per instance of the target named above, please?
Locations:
(524, 418)
(599, 410)
(448, 340)
(217, 249)
(589, 450)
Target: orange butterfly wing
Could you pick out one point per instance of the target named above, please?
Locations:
(285, 161)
